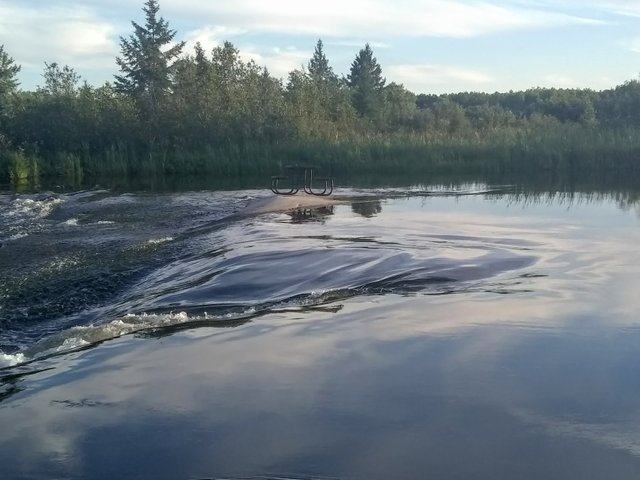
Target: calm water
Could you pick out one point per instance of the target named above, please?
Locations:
(472, 330)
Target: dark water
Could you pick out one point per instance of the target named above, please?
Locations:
(474, 330)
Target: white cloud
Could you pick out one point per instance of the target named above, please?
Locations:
(564, 80)
(376, 18)
(357, 43)
(559, 81)
(35, 35)
(633, 45)
(618, 7)
(71, 36)
(82, 36)
(209, 37)
(607, 7)
(440, 78)
(279, 61)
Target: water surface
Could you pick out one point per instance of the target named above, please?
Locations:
(461, 331)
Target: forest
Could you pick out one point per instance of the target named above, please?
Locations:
(169, 111)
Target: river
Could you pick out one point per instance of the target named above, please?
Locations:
(435, 330)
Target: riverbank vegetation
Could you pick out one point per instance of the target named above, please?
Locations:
(169, 111)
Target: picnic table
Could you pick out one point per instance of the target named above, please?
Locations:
(301, 176)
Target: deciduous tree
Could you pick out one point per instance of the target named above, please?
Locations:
(8, 85)
(60, 81)
(8, 73)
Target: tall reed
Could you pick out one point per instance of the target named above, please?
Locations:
(20, 167)
(558, 148)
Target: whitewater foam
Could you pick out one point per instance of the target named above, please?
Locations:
(84, 335)
(157, 241)
(81, 336)
(23, 216)
(18, 236)
(58, 264)
(7, 360)
(33, 208)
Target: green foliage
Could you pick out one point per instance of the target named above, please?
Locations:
(69, 167)
(621, 106)
(8, 73)
(60, 82)
(147, 61)
(366, 81)
(318, 108)
(399, 106)
(21, 167)
(8, 85)
(319, 68)
(222, 99)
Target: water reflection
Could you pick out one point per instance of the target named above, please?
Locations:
(9, 386)
(398, 379)
(303, 215)
(374, 391)
(367, 209)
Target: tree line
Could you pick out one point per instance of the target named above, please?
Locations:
(168, 111)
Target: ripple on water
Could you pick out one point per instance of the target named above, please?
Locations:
(270, 277)
(234, 271)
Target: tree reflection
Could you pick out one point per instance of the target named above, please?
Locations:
(367, 209)
(302, 215)
(9, 386)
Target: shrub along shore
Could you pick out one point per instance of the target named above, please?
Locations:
(563, 149)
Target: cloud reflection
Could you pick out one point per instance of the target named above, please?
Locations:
(482, 385)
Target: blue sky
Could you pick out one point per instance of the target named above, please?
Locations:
(430, 46)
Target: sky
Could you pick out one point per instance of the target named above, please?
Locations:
(429, 46)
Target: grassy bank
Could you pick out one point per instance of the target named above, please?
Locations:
(562, 149)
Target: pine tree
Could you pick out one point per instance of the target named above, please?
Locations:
(318, 66)
(366, 82)
(147, 61)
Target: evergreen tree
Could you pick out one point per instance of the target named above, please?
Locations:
(318, 66)
(366, 82)
(8, 72)
(203, 66)
(147, 61)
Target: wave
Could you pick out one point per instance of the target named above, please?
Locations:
(24, 215)
(231, 291)
(200, 268)
(83, 336)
